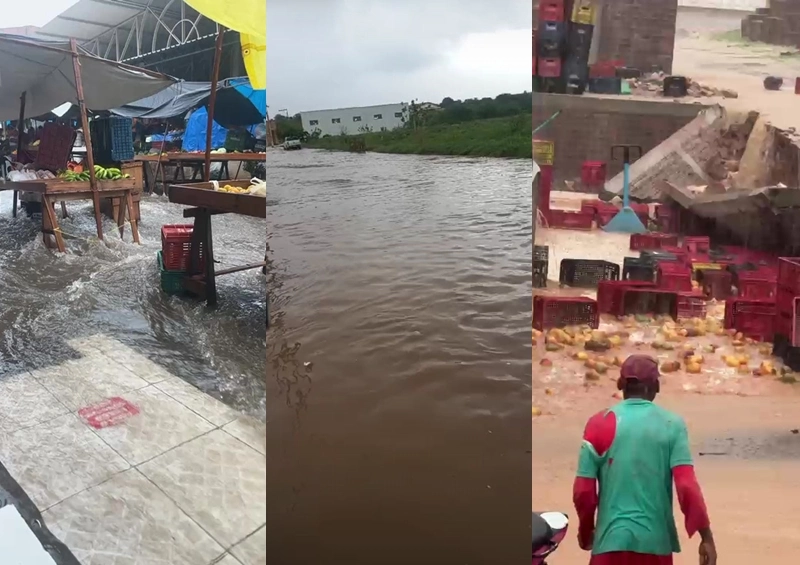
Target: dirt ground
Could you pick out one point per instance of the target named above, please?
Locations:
(743, 427)
(702, 54)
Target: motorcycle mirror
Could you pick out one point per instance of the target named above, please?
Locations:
(556, 520)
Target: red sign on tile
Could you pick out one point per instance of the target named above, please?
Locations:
(110, 412)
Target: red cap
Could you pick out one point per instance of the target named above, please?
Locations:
(640, 367)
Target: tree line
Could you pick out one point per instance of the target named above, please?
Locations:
(450, 111)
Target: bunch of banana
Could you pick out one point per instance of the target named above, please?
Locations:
(72, 176)
(109, 174)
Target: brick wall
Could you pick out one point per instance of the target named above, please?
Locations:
(587, 128)
(641, 33)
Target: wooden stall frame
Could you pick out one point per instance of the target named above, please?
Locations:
(207, 202)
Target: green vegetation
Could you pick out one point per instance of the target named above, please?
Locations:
(732, 36)
(487, 127)
(496, 137)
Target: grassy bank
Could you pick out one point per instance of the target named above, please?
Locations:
(498, 137)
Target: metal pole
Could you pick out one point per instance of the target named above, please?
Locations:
(212, 101)
(87, 136)
(20, 143)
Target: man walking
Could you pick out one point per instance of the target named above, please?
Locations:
(633, 452)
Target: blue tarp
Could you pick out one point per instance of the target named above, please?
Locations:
(194, 138)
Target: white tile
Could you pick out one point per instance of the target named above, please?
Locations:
(251, 431)
(57, 459)
(18, 544)
(216, 412)
(162, 423)
(83, 382)
(24, 403)
(253, 550)
(228, 559)
(128, 357)
(129, 521)
(218, 481)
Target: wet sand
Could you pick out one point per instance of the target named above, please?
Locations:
(746, 453)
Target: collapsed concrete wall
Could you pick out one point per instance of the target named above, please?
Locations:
(704, 152)
(588, 126)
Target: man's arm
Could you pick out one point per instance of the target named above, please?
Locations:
(690, 496)
(597, 439)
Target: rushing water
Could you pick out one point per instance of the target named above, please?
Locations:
(47, 298)
(399, 360)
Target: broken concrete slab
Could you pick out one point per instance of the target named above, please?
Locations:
(692, 156)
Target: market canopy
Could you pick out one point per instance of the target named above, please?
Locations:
(44, 71)
(249, 18)
(237, 104)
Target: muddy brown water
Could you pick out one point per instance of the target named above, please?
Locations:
(398, 362)
(112, 288)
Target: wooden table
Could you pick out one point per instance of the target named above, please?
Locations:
(197, 162)
(200, 279)
(59, 190)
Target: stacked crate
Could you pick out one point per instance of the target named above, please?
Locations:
(779, 24)
(579, 43)
(549, 44)
(174, 257)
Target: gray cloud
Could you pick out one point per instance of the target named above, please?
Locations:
(334, 53)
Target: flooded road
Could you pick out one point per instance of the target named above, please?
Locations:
(47, 299)
(399, 360)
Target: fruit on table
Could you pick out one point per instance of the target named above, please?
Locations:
(77, 174)
(234, 189)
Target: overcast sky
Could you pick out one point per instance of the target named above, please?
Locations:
(33, 12)
(339, 53)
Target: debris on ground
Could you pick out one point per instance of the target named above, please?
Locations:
(695, 355)
(652, 84)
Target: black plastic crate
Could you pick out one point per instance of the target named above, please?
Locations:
(551, 39)
(579, 40)
(638, 269)
(576, 74)
(549, 85)
(655, 256)
(539, 271)
(112, 140)
(587, 273)
(780, 345)
(605, 85)
(541, 253)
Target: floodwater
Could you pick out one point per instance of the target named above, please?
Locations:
(47, 298)
(398, 363)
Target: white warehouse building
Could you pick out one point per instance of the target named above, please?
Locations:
(351, 121)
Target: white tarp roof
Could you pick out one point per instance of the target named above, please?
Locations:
(45, 72)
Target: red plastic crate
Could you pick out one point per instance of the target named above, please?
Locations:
(650, 302)
(569, 220)
(789, 273)
(716, 284)
(563, 311)
(593, 174)
(176, 241)
(784, 300)
(652, 240)
(549, 67)
(673, 276)
(757, 285)
(697, 243)
(610, 294)
(605, 216)
(691, 305)
(754, 318)
(551, 11)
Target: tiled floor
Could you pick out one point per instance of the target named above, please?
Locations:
(177, 480)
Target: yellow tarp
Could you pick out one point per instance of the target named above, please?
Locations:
(249, 18)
